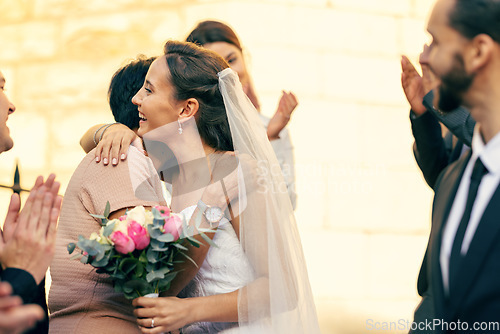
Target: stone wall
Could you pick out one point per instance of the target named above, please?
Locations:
(363, 207)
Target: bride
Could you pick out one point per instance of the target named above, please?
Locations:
(194, 115)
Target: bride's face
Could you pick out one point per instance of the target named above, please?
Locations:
(156, 103)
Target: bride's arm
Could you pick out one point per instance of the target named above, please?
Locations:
(172, 313)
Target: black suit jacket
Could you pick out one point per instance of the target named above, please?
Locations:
(476, 298)
(24, 285)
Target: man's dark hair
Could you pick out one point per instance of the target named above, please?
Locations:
(125, 83)
(474, 17)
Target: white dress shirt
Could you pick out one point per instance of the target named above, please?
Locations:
(490, 156)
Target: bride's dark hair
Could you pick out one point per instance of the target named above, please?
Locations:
(193, 73)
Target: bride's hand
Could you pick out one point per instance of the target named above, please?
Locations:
(169, 314)
(115, 143)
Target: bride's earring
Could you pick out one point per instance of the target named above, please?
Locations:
(180, 126)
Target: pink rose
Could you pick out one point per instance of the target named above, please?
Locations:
(122, 218)
(138, 234)
(172, 226)
(164, 210)
(123, 244)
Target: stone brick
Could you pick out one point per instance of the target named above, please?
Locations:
(58, 88)
(366, 80)
(98, 37)
(289, 69)
(393, 136)
(356, 316)
(386, 7)
(12, 11)
(78, 8)
(29, 131)
(340, 30)
(28, 41)
(412, 36)
(393, 265)
(250, 20)
(335, 262)
(389, 201)
(421, 9)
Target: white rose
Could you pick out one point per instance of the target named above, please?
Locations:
(138, 214)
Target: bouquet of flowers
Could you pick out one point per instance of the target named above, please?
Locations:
(139, 249)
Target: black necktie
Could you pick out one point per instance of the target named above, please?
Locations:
(477, 174)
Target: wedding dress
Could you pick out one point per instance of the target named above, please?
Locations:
(225, 269)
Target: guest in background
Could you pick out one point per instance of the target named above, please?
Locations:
(219, 37)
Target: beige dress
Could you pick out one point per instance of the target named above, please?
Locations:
(80, 300)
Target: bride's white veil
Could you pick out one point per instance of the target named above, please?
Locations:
(279, 300)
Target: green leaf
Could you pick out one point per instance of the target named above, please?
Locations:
(71, 247)
(108, 229)
(139, 269)
(180, 247)
(190, 259)
(166, 237)
(152, 255)
(76, 256)
(208, 240)
(106, 210)
(127, 265)
(84, 259)
(193, 241)
(97, 216)
(156, 275)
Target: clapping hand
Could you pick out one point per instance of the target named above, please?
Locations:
(415, 86)
(287, 104)
(28, 239)
(14, 317)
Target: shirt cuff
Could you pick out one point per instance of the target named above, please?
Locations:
(22, 282)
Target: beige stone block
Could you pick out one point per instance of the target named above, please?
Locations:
(120, 34)
(354, 316)
(364, 79)
(377, 199)
(66, 134)
(385, 7)
(78, 8)
(275, 69)
(335, 262)
(28, 41)
(254, 22)
(59, 88)
(391, 140)
(422, 8)
(339, 30)
(393, 265)
(412, 36)
(326, 130)
(29, 132)
(12, 11)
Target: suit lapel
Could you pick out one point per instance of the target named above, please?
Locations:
(484, 238)
(443, 201)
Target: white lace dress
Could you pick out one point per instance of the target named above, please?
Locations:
(225, 269)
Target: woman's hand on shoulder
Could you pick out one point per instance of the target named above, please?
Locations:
(115, 143)
(165, 313)
(287, 104)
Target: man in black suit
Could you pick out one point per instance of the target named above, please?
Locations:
(27, 241)
(460, 274)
